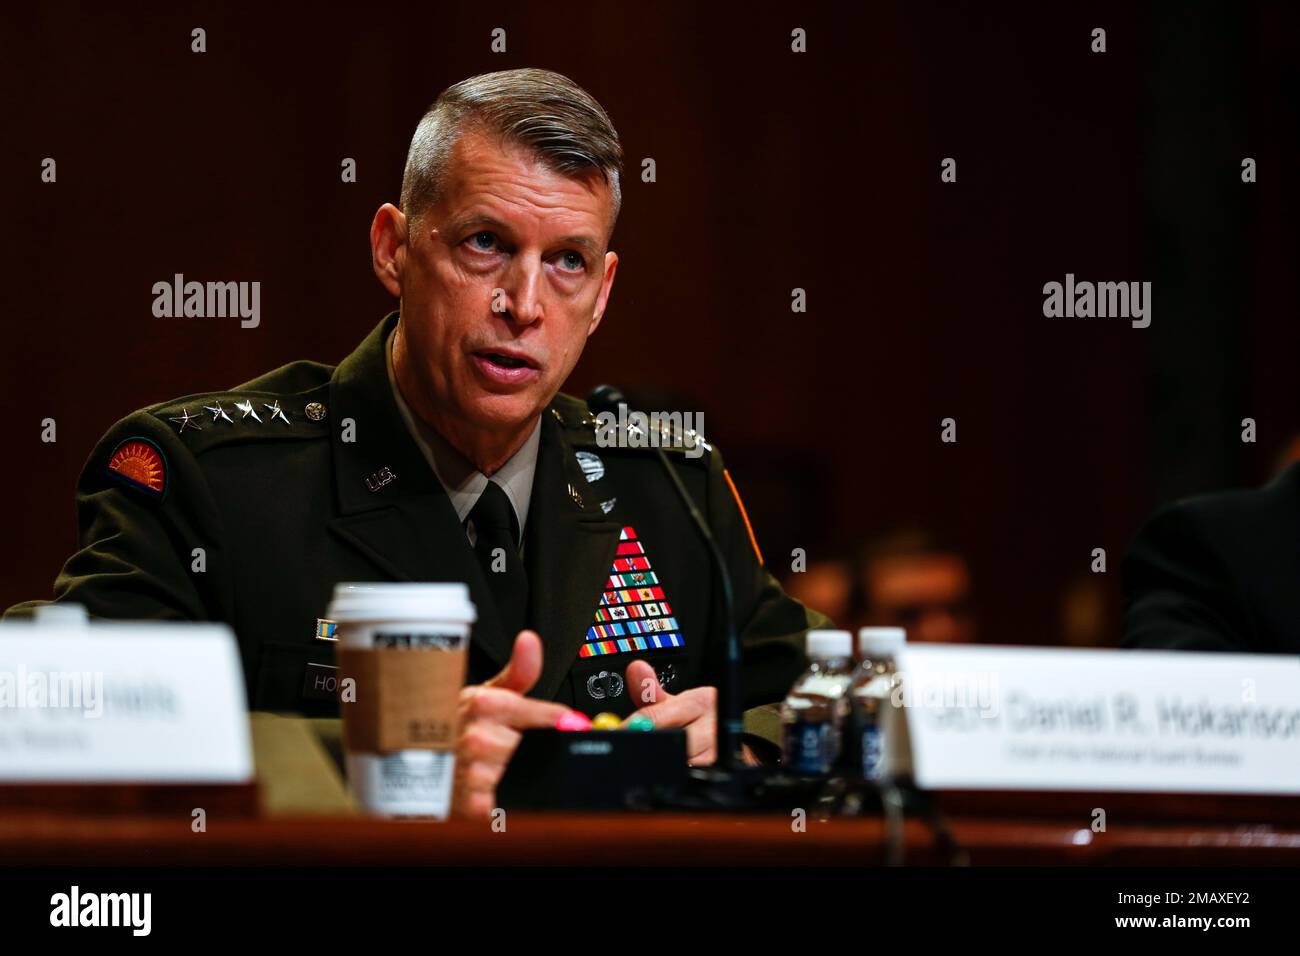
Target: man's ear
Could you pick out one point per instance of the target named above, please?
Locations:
(606, 286)
(388, 247)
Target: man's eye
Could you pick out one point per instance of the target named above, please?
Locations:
(483, 241)
(571, 261)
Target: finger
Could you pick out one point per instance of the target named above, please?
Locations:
(486, 741)
(482, 776)
(675, 712)
(524, 667)
(643, 684)
(483, 751)
(701, 743)
(474, 804)
(512, 709)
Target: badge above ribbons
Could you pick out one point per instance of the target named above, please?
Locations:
(593, 469)
(634, 614)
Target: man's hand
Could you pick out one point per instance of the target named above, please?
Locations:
(490, 718)
(694, 709)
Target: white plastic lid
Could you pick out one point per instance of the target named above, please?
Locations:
(880, 641)
(827, 644)
(401, 601)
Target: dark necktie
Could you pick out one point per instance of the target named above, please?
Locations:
(496, 527)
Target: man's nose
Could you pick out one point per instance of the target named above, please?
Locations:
(524, 292)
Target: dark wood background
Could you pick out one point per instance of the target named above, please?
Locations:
(775, 170)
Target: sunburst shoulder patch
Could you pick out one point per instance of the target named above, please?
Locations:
(139, 464)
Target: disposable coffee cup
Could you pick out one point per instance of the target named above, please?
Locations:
(402, 657)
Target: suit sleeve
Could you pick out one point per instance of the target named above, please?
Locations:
(135, 557)
(770, 624)
(1178, 590)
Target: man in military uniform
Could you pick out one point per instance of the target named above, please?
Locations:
(440, 446)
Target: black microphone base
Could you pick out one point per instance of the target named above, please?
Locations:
(594, 769)
(647, 770)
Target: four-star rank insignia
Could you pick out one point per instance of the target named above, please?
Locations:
(218, 413)
(139, 464)
(633, 614)
(186, 420)
(275, 411)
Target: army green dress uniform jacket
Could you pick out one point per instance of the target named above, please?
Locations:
(263, 479)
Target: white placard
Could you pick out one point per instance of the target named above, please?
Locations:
(122, 703)
(1007, 718)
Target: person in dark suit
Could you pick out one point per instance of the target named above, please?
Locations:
(441, 450)
(1219, 572)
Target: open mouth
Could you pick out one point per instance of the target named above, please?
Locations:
(505, 361)
(506, 369)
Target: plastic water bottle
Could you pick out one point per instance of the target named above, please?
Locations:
(813, 713)
(869, 690)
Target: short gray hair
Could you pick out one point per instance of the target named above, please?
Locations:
(545, 112)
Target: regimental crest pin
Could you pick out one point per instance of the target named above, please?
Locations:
(139, 464)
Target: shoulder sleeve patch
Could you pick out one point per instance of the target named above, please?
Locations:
(140, 464)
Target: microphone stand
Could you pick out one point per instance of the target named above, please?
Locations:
(730, 703)
(729, 784)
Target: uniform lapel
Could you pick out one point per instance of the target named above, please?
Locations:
(570, 548)
(406, 524)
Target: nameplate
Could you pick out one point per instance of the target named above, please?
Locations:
(321, 682)
(1003, 718)
(122, 703)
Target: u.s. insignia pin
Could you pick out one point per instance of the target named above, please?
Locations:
(380, 478)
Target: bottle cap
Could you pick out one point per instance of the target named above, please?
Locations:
(827, 644)
(880, 641)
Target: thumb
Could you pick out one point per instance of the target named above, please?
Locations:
(525, 665)
(643, 685)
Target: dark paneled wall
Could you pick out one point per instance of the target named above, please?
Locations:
(775, 170)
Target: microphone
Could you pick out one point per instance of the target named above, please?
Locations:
(730, 704)
(606, 398)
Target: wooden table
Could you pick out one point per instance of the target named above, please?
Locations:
(665, 839)
(301, 815)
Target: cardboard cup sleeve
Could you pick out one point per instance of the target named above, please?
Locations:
(402, 699)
